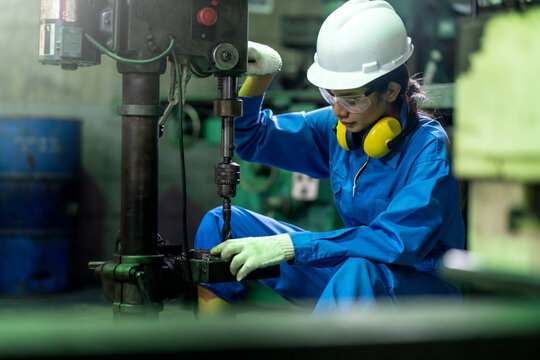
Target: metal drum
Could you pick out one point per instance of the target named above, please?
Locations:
(39, 197)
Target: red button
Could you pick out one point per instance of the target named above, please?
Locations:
(207, 16)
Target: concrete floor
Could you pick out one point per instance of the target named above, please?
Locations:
(87, 304)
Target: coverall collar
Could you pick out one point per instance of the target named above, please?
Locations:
(392, 159)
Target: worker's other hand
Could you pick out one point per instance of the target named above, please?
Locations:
(252, 253)
(262, 59)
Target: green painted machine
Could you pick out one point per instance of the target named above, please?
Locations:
(291, 197)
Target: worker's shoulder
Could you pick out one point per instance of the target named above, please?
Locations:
(322, 118)
(322, 113)
(430, 128)
(431, 139)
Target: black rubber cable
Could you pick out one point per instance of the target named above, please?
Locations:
(191, 293)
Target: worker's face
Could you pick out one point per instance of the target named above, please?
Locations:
(381, 104)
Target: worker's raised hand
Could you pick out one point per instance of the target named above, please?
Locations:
(262, 59)
(252, 253)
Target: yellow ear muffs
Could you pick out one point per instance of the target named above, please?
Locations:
(341, 134)
(376, 140)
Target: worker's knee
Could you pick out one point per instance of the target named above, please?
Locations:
(209, 231)
(359, 265)
(366, 274)
(214, 218)
(215, 215)
(355, 285)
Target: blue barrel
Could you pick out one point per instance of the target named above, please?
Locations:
(39, 199)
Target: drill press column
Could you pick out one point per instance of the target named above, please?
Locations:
(139, 165)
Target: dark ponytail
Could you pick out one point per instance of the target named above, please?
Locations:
(411, 92)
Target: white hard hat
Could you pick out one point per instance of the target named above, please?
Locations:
(359, 42)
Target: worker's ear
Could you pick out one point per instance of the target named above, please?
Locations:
(392, 91)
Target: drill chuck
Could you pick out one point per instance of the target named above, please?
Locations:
(227, 176)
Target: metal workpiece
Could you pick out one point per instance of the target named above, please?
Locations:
(207, 268)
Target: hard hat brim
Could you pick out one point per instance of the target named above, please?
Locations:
(340, 80)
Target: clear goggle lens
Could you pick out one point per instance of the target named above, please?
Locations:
(352, 103)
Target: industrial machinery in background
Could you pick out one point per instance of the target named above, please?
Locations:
(200, 38)
(288, 196)
(496, 148)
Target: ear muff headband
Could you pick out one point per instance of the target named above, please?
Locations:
(376, 142)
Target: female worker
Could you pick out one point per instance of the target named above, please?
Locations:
(388, 164)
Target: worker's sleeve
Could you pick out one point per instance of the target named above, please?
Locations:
(402, 234)
(295, 141)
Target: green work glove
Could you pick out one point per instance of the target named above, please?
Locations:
(252, 253)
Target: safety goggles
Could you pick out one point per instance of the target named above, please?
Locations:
(352, 103)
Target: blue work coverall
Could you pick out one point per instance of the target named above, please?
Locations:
(405, 212)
